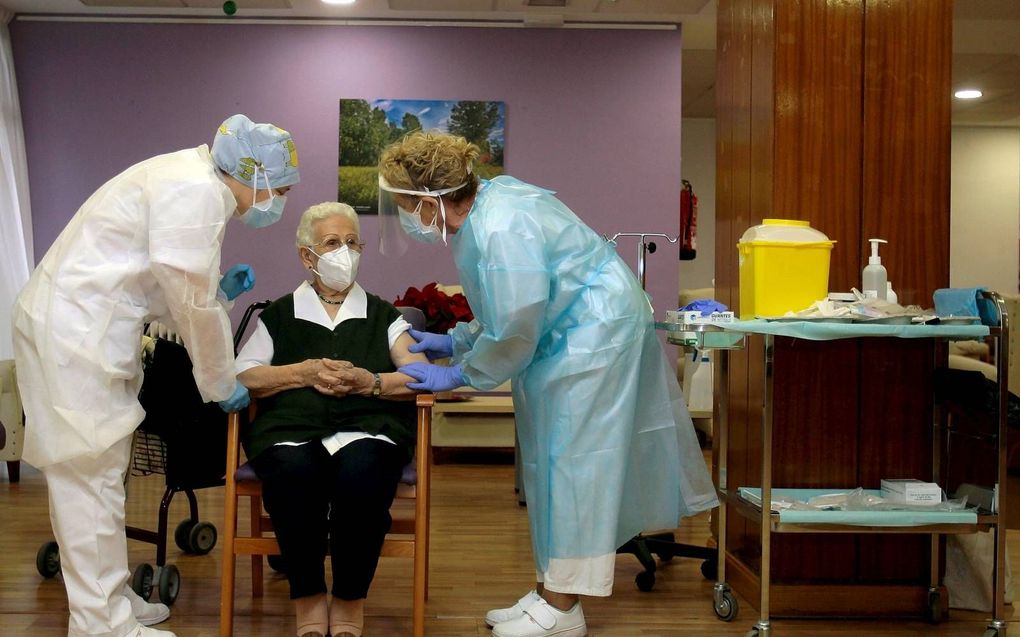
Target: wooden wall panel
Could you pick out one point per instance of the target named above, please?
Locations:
(907, 93)
(762, 133)
(895, 440)
(733, 170)
(837, 113)
(818, 124)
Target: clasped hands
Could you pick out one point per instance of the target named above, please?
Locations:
(336, 377)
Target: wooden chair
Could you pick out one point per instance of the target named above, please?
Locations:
(408, 536)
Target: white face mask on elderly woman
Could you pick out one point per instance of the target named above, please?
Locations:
(337, 269)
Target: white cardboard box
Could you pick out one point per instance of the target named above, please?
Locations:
(911, 491)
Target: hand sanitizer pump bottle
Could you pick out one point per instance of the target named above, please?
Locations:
(874, 279)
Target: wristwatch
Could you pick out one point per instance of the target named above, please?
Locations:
(377, 386)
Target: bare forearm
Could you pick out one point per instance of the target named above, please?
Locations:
(267, 380)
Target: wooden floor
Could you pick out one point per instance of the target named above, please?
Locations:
(480, 559)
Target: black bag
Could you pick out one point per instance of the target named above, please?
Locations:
(194, 432)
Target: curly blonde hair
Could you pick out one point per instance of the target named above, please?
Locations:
(431, 160)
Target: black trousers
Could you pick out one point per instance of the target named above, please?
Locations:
(342, 501)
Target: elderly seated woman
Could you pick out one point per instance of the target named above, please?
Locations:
(335, 425)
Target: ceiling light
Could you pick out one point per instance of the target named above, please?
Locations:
(968, 94)
(338, 1)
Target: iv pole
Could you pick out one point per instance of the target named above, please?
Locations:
(644, 247)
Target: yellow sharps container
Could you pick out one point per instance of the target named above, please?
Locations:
(784, 267)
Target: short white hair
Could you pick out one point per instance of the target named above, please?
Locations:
(318, 212)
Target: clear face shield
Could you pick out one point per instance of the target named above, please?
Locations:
(401, 217)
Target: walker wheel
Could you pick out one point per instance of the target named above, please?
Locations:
(141, 581)
(202, 538)
(47, 560)
(169, 584)
(645, 581)
(182, 533)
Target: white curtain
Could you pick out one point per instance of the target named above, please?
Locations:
(15, 214)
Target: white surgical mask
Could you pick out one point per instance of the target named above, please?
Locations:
(339, 268)
(413, 225)
(266, 212)
(416, 228)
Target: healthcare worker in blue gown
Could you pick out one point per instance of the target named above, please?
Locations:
(608, 448)
(144, 247)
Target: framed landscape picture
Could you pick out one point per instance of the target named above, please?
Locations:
(367, 126)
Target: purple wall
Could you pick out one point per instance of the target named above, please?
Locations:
(594, 115)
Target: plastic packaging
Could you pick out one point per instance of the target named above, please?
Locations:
(874, 280)
(890, 295)
(783, 267)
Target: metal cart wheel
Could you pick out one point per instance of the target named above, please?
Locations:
(202, 538)
(47, 560)
(141, 581)
(934, 611)
(726, 607)
(710, 569)
(169, 584)
(645, 581)
(182, 533)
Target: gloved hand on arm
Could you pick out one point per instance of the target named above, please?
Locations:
(237, 401)
(434, 345)
(237, 280)
(433, 377)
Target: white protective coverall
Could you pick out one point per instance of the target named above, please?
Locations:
(608, 449)
(145, 246)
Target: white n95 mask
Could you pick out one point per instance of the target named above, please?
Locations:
(338, 268)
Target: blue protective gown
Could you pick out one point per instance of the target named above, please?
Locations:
(607, 446)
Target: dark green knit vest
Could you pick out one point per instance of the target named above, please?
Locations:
(298, 415)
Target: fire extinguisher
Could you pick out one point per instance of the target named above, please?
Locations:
(688, 223)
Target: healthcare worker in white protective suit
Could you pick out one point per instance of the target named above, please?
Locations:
(144, 247)
(607, 446)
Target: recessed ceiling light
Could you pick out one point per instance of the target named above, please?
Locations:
(968, 94)
(339, 1)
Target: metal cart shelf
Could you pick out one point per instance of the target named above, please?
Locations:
(725, 338)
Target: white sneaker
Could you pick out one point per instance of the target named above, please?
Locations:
(500, 615)
(152, 632)
(543, 620)
(146, 613)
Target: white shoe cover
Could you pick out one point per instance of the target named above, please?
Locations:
(543, 620)
(500, 615)
(146, 613)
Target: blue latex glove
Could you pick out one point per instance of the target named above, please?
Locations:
(238, 401)
(434, 345)
(705, 306)
(238, 279)
(433, 377)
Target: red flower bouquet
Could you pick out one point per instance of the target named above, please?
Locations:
(442, 311)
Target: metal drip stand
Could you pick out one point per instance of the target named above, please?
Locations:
(644, 247)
